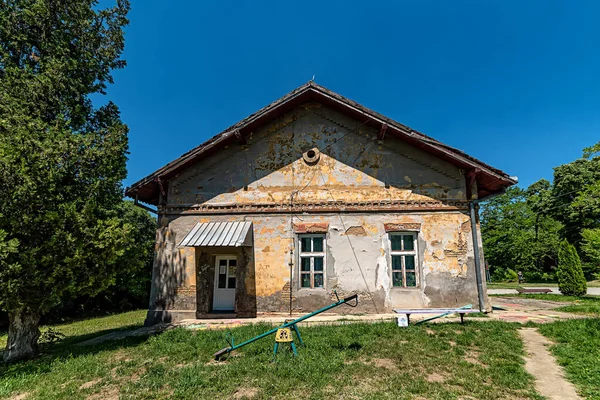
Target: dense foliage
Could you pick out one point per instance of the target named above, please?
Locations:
(522, 229)
(571, 281)
(516, 238)
(62, 159)
(590, 245)
(131, 286)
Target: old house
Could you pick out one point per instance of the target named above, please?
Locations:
(313, 193)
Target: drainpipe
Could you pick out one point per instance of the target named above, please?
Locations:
(472, 205)
(472, 209)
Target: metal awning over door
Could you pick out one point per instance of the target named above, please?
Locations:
(236, 234)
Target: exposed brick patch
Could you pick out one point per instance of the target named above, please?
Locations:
(465, 227)
(356, 231)
(461, 248)
(319, 227)
(285, 297)
(285, 291)
(402, 226)
(186, 291)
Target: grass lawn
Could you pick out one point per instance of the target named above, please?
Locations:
(514, 285)
(481, 360)
(577, 349)
(78, 331)
(587, 305)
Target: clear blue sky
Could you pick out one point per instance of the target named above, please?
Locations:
(513, 83)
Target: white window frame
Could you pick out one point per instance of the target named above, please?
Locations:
(311, 254)
(414, 252)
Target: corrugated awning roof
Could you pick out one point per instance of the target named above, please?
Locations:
(219, 234)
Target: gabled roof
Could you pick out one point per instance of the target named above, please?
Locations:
(489, 179)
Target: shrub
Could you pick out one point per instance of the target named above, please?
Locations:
(538, 277)
(511, 276)
(548, 277)
(590, 270)
(571, 281)
(498, 274)
(49, 338)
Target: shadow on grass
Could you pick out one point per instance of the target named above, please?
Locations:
(68, 348)
(75, 339)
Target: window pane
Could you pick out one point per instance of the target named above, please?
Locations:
(409, 243)
(222, 281)
(411, 279)
(318, 264)
(222, 262)
(233, 263)
(319, 280)
(396, 242)
(306, 280)
(396, 263)
(317, 244)
(305, 264)
(305, 245)
(409, 262)
(231, 271)
(231, 283)
(397, 278)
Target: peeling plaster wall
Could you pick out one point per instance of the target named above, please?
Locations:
(354, 264)
(354, 164)
(354, 167)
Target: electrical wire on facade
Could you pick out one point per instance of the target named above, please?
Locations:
(351, 246)
(355, 130)
(292, 239)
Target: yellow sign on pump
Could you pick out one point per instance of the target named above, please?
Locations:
(283, 335)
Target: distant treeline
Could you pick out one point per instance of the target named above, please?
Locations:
(523, 228)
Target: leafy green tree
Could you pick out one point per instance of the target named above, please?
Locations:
(590, 246)
(62, 159)
(135, 265)
(575, 200)
(592, 151)
(522, 229)
(517, 235)
(571, 281)
(131, 287)
(6, 246)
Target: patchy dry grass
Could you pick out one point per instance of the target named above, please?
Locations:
(586, 305)
(480, 360)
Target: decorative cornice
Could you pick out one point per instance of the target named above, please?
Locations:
(317, 207)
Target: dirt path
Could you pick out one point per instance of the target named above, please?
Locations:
(549, 377)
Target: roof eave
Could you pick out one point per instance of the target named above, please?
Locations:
(148, 188)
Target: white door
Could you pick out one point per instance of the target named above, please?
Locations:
(224, 297)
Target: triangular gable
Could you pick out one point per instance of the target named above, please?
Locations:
(489, 180)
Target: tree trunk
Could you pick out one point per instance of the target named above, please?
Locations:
(23, 334)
